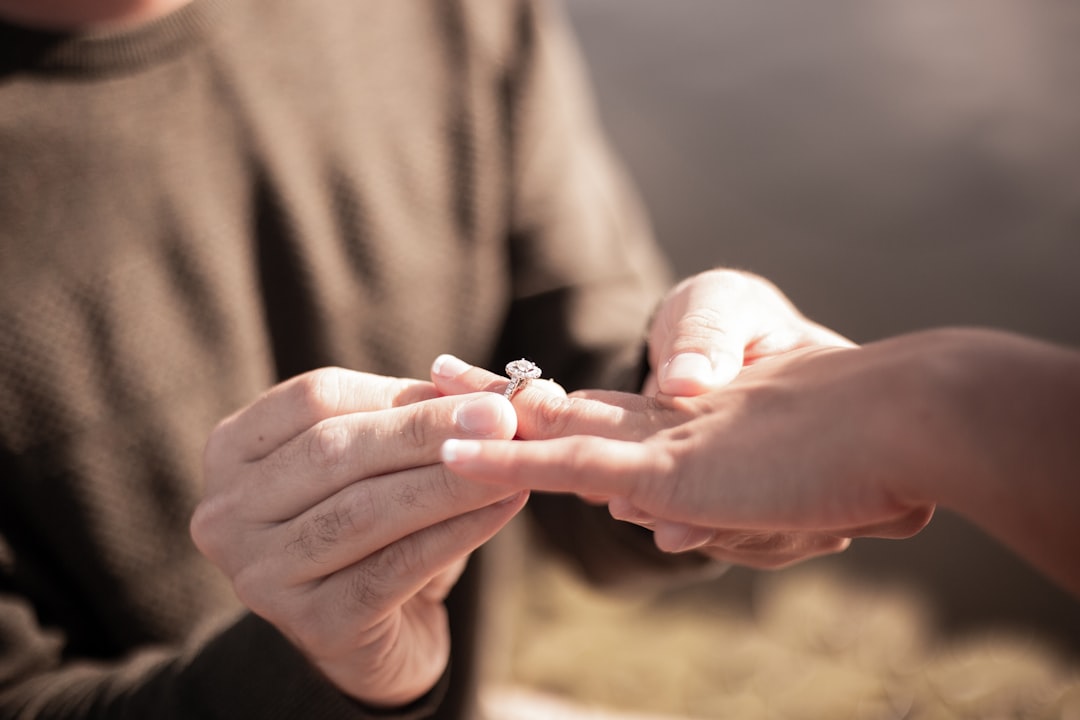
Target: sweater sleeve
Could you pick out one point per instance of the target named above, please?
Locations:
(247, 670)
(586, 271)
(587, 276)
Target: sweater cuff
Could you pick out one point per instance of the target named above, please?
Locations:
(250, 670)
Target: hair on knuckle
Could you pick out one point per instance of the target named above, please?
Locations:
(358, 506)
(364, 590)
(305, 543)
(315, 536)
(401, 559)
(350, 513)
(409, 496)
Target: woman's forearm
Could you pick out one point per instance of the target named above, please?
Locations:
(1011, 462)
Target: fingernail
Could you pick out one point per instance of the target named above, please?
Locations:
(484, 415)
(454, 450)
(675, 537)
(448, 366)
(693, 367)
(622, 509)
(513, 498)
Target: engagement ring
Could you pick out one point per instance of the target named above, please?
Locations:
(520, 372)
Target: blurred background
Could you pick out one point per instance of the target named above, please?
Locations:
(892, 165)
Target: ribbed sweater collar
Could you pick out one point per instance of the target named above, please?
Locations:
(117, 52)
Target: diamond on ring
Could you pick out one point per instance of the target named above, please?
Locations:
(520, 372)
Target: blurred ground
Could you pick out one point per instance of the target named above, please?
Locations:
(817, 645)
(892, 165)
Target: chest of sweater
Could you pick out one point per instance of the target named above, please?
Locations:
(178, 238)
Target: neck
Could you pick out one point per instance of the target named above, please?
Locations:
(85, 14)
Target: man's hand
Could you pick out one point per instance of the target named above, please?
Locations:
(712, 324)
(747, 474)
(327, 507)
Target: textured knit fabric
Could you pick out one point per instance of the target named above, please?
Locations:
(193, 210)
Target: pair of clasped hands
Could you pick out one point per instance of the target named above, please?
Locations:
(343, 506)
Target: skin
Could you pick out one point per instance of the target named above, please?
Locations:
(713, 324)
(325, 503)
(710, 327)
(821, 443)
(327, 507)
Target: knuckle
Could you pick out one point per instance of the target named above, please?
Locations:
(769, 562)
(205, 527)
(447, 485)
(260, 589)
(328, 444)
(728, 278)
(320, 392)
(553, 414)
(657, 482)
(327, 527)
(700, 320)
(403, 559)
(773, 551)
(763, 543)
(580, 457)
(315, 536)
(200, 528)
(364, 592)
(409, 496)
(250, 586)
(305, 544)
(416, 431)
(666, 462)
(915, 521)
(718, 282)
(350, 513)
(838, 544)
(358, 507)
(218, 452)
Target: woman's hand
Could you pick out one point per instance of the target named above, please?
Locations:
(791, 460)
(713, 324)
